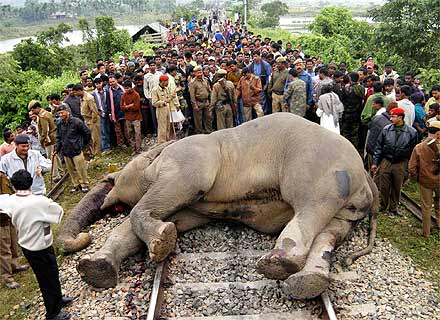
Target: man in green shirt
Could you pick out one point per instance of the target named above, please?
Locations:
(369, 112)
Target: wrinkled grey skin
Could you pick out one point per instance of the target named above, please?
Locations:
(259, 173)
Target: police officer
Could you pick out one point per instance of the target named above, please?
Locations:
(200, 92)
(223, 99)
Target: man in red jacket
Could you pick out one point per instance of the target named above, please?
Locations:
(131, 105)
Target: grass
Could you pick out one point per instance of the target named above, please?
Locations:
(404, 233)
(13, 301)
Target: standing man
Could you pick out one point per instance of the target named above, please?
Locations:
(405, 104)
(299, 66)
(100, 96)
(151, 80)
(435, 92)
(424, 167)
(249, 88)
(390, 159)
(8, 144)
(262, 70)
(200, 92)
(30, 160)
(73, 102)
(32, 215)
(73, 136)
(223, 100)
(161, 97)
(90, 114)
(276, 85)
(114, 94)
(294, 98)
(352, 99)
(8, 235)
(131, 105)
(48, 134)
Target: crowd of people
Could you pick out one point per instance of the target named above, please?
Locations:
(212, 75)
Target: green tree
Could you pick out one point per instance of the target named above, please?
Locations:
(54, 35)
(411, 29)
(186, 12)
(109, 39)
(271, 14)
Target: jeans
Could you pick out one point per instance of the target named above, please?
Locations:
(240, 115)
(105, 133)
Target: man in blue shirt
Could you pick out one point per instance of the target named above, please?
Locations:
(304, 76)
(262, 70)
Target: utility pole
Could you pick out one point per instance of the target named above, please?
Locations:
(245, 11)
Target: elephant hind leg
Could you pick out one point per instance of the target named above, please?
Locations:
(314, 278)
(293, 244)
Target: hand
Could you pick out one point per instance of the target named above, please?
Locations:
(38, 171)
(374, 168)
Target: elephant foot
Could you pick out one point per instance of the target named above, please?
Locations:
(306, 284)
(98, 271)
(163, 242)
(278, 265)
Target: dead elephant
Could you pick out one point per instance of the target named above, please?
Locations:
(279, 173)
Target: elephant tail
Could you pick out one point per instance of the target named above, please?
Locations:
(87, 211)
(374, 212)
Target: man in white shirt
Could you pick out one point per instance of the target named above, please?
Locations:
(408, 106)
(151, 80)
(30, 160)
(32, 216)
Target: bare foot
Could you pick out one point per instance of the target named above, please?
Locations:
(163, 242)
(98, 271)
(277, 264)
(306, 284)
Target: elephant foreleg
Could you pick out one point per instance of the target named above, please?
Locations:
(314, 278)
(101, 269)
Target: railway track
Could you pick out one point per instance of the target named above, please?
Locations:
(414, 207)
(58, 188)
(212, 276)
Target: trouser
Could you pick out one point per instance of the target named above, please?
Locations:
(134, 134)
(203, 118)
(77, 169)
(240, 115)
(225, 118)
(277, 103)
(56, 164)
(389, 180)
(8, 250)
(264, 102)
(153, 116)
(105, 133)
(120, 132)
(426, 196)
(44, 265)
(350, 130)
(258, 109)
(95, 131)
(163, 124)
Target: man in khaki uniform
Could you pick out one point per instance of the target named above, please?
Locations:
(424, 167)
(48, 134)
(222, 100)
(161, 97)
(200, 92)
(92, 119)
(8, 242)
(276, 85)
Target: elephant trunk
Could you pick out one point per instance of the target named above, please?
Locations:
(86, 212)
